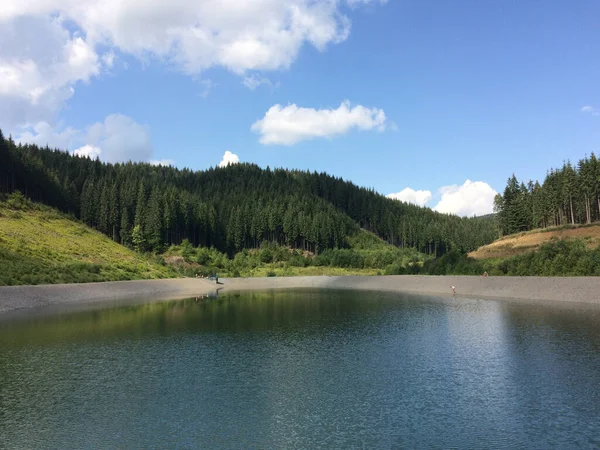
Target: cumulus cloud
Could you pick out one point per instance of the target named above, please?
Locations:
(40, 64)
(88, 151)
(292, 124)
(48, 46)
(408, 195)
(43, 134)
(118, 138)
(472, 198)
(229, 158)
(161, 162)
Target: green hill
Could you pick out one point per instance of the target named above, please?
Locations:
(241, 220)
(240, 207)
(40, 245)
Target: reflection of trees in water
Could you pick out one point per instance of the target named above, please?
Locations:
(256, 311)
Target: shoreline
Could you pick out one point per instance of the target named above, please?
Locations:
(564, 290)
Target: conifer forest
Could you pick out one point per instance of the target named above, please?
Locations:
(568, 196)
(238, 207)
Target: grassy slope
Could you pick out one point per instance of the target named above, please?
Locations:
(39, 245)
(526, 242)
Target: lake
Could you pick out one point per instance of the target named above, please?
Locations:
(303, 369)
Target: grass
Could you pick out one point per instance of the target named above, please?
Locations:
(530, 241)
(39, 245)
(271, 270)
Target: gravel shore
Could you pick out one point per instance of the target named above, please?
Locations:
(582, 290)
(19, 297)
(551, 289)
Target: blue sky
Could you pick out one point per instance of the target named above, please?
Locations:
(424, 95)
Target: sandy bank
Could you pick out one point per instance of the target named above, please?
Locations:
(554, 289)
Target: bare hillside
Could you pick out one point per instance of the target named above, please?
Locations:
(520, 243)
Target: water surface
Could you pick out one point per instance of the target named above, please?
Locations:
(303, 369)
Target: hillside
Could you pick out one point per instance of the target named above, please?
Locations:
(40, 245)
(236, 208)
(530, 241)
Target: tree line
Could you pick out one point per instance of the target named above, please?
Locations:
(238, 207)
(568, 196)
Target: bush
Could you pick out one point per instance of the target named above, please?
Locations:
(298, 261)
(347, 258)
(453, 263)
(395, 269)
(266, 255)
(17, 201)
(187, 249)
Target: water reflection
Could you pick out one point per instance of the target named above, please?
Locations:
(303, 369)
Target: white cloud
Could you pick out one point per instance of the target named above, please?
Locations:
(420, 198)
(292, 124)
(355, 3)
(161, 162)
(40, 64)
(121, 139)
(43, 134)
(48, 46)
(472, 198)
(88, 151)
(229, 158)
(590, 109)
(254, 81)
(117, 138)
(108, 59)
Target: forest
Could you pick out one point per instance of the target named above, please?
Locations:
(568, 196)
(150, 208)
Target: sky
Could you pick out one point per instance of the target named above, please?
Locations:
(427, 101)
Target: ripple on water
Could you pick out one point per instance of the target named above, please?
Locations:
(303, 369)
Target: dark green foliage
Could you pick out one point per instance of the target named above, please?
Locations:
(453, 263)
(556, 258)
(570, 195)
(231, 209)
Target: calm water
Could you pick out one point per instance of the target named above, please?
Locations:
(303, 370)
